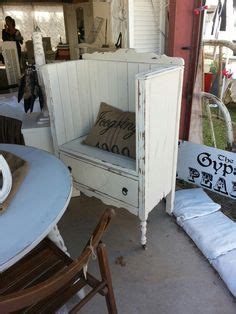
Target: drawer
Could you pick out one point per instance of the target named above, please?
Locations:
(117, 186)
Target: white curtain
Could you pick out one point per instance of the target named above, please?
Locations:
(49, 18)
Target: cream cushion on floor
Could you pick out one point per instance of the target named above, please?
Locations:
(191, 203)
(214, 234)
(226, 267)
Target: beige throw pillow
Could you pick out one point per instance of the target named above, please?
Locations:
(114, 131)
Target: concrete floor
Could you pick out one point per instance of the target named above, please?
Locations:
(170, 277)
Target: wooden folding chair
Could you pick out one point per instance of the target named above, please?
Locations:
(46, 278)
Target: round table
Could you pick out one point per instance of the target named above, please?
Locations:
(36, 208)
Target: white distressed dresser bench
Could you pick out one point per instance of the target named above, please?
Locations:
(148, 84)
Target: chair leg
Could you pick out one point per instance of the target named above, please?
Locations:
(106, 276)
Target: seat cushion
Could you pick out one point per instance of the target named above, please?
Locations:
(76, 149)
(114, 131)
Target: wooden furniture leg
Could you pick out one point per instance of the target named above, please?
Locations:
(55, 236)
(143, 226)
(106, 276)
(170, 202)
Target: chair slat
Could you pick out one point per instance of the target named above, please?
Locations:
(46, 278)
(58, 299)
(26, 277)
(33, 258)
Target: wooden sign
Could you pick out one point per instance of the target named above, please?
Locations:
(208, 167)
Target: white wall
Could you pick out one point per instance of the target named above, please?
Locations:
(147, 25)
(141, 22)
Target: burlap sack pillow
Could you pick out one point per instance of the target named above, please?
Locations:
(114, 131)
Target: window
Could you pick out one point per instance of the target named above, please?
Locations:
(49, 18)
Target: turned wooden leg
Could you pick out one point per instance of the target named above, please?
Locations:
(170, 202)
(143, 226)
(55, 236)
(75, 192)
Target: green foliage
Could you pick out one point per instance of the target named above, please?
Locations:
(214, 67)
(219, 127)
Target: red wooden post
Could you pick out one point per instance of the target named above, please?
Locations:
(184, 41)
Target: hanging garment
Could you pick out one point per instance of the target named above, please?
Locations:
(219, 19)
(30, 90)
(223, 17)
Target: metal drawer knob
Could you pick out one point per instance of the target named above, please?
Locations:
(124, 191)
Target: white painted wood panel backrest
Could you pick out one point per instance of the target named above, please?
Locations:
(68, 99)
(135, 63)
(75, 89)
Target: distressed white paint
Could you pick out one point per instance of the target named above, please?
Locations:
(38, 205)
(161, 104)
(107, 182)
(6, 179)
(119, 163)
(10, 55)
(148, 84)
(143, 226)
(107, 199)
(35, 134)
(208, 167)
(55, 236)
(130, 55)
